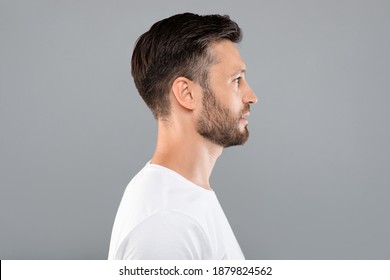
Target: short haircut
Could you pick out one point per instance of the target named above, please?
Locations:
(174, 47)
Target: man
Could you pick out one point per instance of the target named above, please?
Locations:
(189, 72)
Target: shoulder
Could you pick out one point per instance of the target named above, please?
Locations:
(156, 188)
(166, 235)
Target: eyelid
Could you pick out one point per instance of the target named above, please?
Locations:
(240, 76)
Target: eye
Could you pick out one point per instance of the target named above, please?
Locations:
(237, 81)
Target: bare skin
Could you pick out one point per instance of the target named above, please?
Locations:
(179, 146)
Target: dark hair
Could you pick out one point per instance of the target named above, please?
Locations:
(177, 47)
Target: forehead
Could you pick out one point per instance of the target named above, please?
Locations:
(228, 58)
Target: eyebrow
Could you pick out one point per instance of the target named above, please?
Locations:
(241, 71)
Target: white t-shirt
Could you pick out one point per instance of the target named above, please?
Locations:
(163, 215)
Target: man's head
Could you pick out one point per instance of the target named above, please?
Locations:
(173, 47)
(192, 46)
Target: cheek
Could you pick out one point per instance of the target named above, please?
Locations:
(230, 98)
(235, 103)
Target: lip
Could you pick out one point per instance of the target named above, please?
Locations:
(244, 121)
(244, 116)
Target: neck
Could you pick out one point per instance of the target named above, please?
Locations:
(186, 152)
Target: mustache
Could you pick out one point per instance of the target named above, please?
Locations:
(247, 109)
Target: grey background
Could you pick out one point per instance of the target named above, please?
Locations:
(312, 182)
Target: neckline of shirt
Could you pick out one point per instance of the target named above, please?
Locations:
(177, 175)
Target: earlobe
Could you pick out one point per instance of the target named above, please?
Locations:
(182, 91)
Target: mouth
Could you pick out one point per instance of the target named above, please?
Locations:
(244, 118)
(245, 115)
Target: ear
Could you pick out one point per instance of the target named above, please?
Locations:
(182, 91)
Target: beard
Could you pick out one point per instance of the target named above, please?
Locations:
(220, 125)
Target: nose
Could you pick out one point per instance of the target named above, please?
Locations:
(249, 96)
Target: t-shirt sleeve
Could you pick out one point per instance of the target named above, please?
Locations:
(166, 235)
